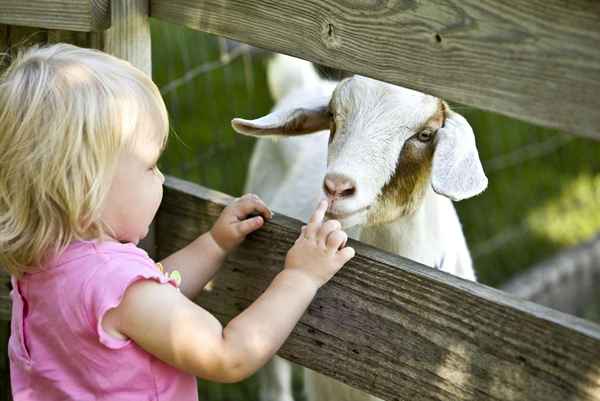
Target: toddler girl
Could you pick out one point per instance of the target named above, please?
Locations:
(93, 317)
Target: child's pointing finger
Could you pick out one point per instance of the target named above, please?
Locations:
(319, 213)
(315, 221)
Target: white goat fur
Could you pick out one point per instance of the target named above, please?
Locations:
(374, 121)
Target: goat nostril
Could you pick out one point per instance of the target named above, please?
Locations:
(348, 192)
(329, 187)
(339, 186)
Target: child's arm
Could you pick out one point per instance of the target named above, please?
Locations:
(191, 339)
(199, 261)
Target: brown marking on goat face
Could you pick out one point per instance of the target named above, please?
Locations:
(404, 192)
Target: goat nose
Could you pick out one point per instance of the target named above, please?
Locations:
(339, 186)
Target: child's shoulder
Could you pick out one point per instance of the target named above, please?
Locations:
(83, 259)
(122, 259)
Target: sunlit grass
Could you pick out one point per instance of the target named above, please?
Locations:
(573, 216)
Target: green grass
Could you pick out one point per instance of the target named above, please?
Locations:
(532, 208)
(573, 216)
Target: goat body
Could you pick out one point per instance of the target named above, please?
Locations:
(394, 162)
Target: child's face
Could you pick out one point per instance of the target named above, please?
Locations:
(135, 193)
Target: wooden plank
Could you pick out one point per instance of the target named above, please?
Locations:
(129, 36)
(400, 330)
(535, 60)
(75, 15)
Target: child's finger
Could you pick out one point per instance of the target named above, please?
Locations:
(315, 220)
(319, 214)
(249, 204)
(247, 226)
(346, 254)
(327, 228)
(336, 240)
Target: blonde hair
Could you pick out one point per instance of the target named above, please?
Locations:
(66, 113)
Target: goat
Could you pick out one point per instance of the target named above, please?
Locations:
(389, 159)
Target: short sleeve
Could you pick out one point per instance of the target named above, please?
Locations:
(106, 288)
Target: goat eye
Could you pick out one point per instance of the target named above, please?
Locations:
(425, 135)
(332, 128)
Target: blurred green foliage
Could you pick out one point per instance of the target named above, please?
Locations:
(544, 185)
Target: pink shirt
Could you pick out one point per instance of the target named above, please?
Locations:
(58, 349)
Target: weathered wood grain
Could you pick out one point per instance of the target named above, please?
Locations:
(536, 60)
(75, 15)
(129, 36)
(397, 329)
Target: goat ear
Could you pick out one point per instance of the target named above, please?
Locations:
(457, 171)
(300, 113)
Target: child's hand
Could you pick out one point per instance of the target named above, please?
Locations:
(233, 224)
(320, 250)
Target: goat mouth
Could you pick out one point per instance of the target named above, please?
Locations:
(341, 216)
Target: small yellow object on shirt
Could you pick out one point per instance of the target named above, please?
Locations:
(174, 275)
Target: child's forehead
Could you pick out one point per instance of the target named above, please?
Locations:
(144, 132)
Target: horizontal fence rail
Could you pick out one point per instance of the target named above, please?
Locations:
(534, 60)
(400, 330)
(73, 15)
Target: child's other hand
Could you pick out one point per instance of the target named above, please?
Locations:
(320, 250)
(239, 219)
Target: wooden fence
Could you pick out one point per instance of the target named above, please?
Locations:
(400, 330)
